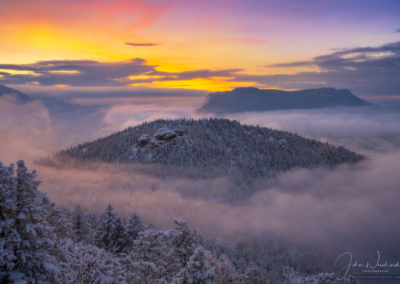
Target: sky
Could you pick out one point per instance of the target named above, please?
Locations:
(202, 45)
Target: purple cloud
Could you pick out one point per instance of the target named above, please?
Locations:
(95, 73)
(364, 70)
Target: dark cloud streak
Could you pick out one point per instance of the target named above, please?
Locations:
(292, 64)
(142, 44)
(86, 73)
(365, 70)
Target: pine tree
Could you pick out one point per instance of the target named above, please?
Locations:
(60, 223)
(26, 238)
(80, 226)
(118, 243)
(85, 263)
(132, 229)
(186, 241)
(7, 203)
(110, 230)
(254, 275)
(199, 269)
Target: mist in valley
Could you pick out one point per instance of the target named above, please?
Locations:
(323, 211)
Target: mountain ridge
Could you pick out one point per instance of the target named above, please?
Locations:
(253, 99)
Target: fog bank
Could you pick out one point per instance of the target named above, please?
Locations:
(349, 208)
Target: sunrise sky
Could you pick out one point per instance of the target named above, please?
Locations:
(202, 45)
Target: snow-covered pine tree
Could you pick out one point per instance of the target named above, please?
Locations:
(198, 269)
(60, 222)
(110, 230)
(186, 241)
(132, 228)
(26, 236)
(254, 275)
(118, 243)
(7, 204)
(80, 226)
(85, 263)
(225, 270)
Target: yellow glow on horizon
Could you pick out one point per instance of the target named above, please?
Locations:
(201, 84)
(41, 42)
(19, 72)
(72, 72)
(144, 77)
(46, 42)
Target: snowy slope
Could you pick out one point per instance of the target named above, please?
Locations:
(210, 144)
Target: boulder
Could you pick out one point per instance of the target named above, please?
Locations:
(164, 134)
(144, 140)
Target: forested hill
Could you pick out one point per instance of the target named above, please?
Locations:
(207, 144)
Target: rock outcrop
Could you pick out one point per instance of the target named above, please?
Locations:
(160, 136)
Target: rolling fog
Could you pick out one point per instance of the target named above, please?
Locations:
(351, 208)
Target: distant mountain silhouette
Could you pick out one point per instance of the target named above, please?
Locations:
(14, 94)
(253, 99)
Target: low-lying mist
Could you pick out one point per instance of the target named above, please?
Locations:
(349, 208)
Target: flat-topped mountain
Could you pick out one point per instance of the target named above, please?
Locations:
(253, 99)
(210, 144)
